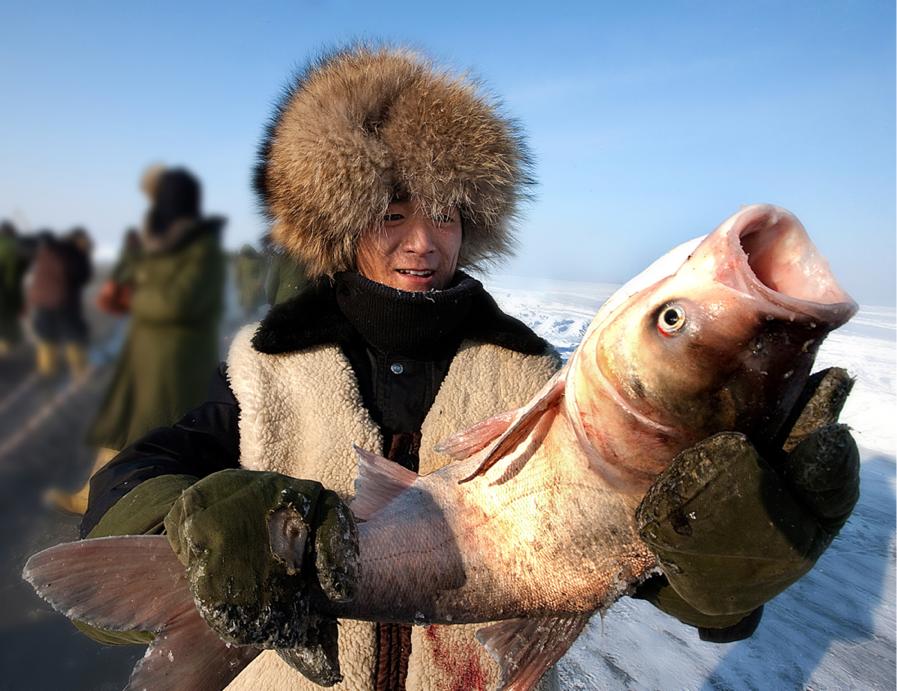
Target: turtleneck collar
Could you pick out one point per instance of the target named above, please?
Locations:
(406, 323)
(418, 325)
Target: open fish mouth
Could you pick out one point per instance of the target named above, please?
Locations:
(776, 261)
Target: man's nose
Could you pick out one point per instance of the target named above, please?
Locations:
(420, 235)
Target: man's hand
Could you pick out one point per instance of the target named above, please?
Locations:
(257, 547)
(733, 527)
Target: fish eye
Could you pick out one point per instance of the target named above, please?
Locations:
(671, 319)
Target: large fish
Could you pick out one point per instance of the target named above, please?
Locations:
(534, 524)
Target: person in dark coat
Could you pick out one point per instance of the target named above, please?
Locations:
(388, 178)
(172, 344)
(13, 265)
(60, 273)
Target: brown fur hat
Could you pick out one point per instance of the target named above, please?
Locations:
(363, 125)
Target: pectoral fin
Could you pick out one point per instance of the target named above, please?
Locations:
(526, 648)
(136, 583)
(525, 419)
(464, 444)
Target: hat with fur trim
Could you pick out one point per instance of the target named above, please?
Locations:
(363, 126)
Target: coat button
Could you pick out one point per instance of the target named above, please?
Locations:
(396, 368)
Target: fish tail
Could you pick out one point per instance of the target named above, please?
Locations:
(136, 583)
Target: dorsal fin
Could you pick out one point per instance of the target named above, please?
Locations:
(136, 583)
(525, 419)
(379, 481)
(526, 648)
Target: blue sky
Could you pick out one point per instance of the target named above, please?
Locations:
(650, 123)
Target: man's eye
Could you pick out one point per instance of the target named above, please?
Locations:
(392, 217)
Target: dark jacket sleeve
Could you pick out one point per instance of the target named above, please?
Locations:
(204, 441)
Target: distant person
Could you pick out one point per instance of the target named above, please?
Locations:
(13, 264)
(61, 270)
(249, 275)
(116, 292)
(286, 276)
(172, 345)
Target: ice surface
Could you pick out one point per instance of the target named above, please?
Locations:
(835, 628)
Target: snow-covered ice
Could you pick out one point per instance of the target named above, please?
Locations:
(833, 629)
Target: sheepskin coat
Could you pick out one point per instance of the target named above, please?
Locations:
(301, 411)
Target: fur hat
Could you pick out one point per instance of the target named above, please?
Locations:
(149, 179)
(364, 125)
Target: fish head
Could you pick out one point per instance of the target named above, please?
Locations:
(724, 343)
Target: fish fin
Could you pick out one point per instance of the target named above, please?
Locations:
(187, 654)
(464, 444)
(525, 419)
(135, 582)
(379, 482)
(526, 648)
(122, 583)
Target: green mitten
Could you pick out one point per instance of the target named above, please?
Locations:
(731, 529)
(140, 512)
(256, 545)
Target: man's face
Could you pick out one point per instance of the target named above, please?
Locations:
(411, 251)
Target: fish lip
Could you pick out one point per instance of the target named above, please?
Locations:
(782, 231)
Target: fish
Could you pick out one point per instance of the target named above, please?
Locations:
(532, 528)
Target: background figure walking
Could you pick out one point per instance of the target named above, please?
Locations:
(249, 275)
(61, 270)
(13, 264)
(286, 275)
(171, 349)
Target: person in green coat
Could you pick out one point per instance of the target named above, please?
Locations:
(171, 350)
(114, 296)
(12, 300)
(249, 270)
(286, 275)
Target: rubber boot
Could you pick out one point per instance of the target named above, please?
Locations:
(76, 357)
(45, 354)
(76, 502)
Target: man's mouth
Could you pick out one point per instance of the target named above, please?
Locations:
(423, 273)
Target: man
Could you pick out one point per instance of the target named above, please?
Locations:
(387, 178)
